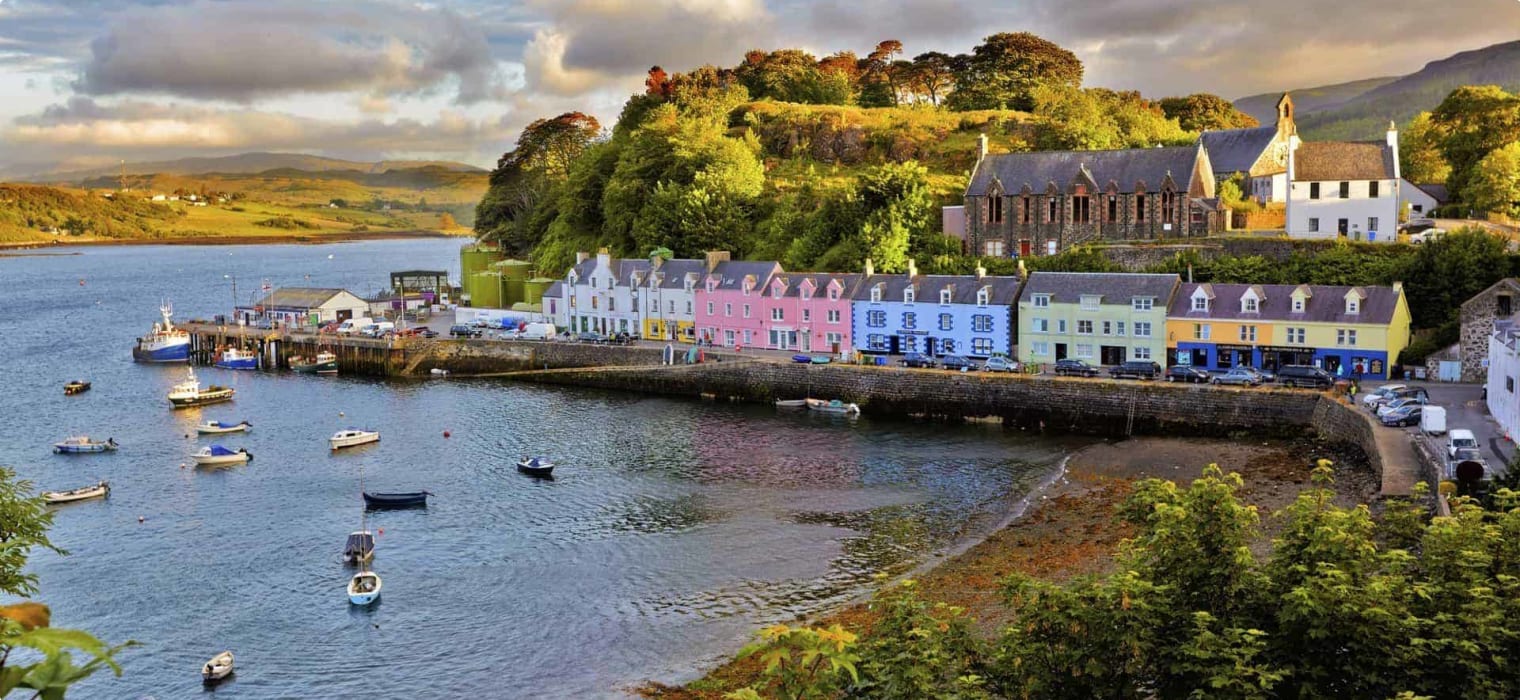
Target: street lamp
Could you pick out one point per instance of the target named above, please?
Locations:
(234, 292)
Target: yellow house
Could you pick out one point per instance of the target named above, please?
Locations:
(1354, 332)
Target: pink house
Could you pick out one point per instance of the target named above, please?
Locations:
(730, 303)
(809, 311)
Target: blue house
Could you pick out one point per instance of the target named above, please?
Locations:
(936, 315)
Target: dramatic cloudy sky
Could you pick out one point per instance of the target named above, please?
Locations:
(86, 82)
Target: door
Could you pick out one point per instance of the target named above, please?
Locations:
(1111, 354)
(894, 345)
(1449, 371)
(1342, 226)
(345, 314)
(1060, 351)
(1025, 249)
(807, 342)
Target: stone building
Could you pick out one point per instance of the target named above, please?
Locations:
(1024, 204)
(1259, 154)
(1478, 316)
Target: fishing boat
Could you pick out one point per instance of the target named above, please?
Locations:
(324, 363)
(536, 466)
(217, 456)
(164, 343)
(216, 427)
(82, 444)
(352, 437)
(83, 493)
(76, 387)
(802, 359)
(380, 501)
(364, 588)
(834, 407)
(218, 668)
(189, 392)
(359, 548)
(791, 403)
(821, 359)
(237, 358)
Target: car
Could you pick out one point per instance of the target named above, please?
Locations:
(1397, 404)
(957, 362)
(1304, 376)
(590, 337)
(1465, 454)
(1380, 394)
(914, 359)
(461, 330)
(1396, 394)
(1460, 439)
(1408, 414)
(1135, 369)
(1186, 373)
(1267, 376)
(1000, 363)
(1075, 368)
(1238, 376)
(427, 332)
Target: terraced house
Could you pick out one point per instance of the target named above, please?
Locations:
(1354, 332)
(667, 297)
(809, 311)
(1099, 318)
(730, 302)
(936, 315)
(599, 294)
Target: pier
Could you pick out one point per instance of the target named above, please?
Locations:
(275, 347)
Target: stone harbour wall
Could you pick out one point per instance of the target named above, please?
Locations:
(498, 356)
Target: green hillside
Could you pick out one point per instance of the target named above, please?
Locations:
(246, 163)
(1309, 100)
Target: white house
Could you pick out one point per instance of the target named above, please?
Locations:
(556, 307)
(306, 306)
(1344, 189)
(667, 298)
(1420, 200)
(1503, 374)
(600, 294)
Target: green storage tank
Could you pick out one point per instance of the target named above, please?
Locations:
(513, 274)
(486, 292)
(533, 289)
(477, 258)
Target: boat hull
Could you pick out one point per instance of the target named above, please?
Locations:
(75, 388)
(84, 494)
(380, 501)
(202, 399)
(218, 668)
(221, 460)
(355, 441)
(239, 363)
(536, 471)
(82, 449)
(358, 597)
(222, 430)
(175, 351)
(330, 367)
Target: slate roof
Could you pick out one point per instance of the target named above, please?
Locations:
(1114, 287)
(1343, 160)
(730, 274)
(583, 268)
(1436, 190)
(625, 270)
(299, 297)
(1122, 167)
(821, 282)
(926, 288)
(556, 290)
(1236, 150)
(674, 272)
(1326, 304)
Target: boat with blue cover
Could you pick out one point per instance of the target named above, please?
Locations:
(82, 444)
(536, 466)
(237, 358)
(216, 427)
(216, 456)
(164, 343)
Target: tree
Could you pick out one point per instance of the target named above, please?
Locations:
(446, 222)
(879, 79)
(1005, 70)
(1473, 121)
(934, 73)
(900, 211)
(792, 75)
(1420, 158)
(1206, 112)
(1496, 185)
(1097, 118)
(657, 83)
(525, 176)
(1448, 271)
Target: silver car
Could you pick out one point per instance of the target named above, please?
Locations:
(1241, 376)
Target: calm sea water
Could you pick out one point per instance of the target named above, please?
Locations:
(673, 528)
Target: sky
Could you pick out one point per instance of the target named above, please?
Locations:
(85, 83)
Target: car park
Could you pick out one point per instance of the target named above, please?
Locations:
(1075, 368)
(1135, 369)
(1237, 376)
(1267, 375)
(1396, 394)
(1185, 373)
(463, 331)
(1396, 404)
(1408, 414)
(1304, 376)
(1381, 393)
(914, 359)
(957, 362)
(1000, 363)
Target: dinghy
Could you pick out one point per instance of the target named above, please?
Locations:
(82, 444)
(352, 437)
(791, 403)
(364, 588)
(359, 548)
(213, 427)
(536, 466)
(413, 499)
(100, 490)
(76, 387)
(216, 456)
(219, 667)
(835, 407)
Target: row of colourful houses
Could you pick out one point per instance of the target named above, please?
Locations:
(1041, 317)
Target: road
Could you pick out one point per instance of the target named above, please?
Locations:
(1465, 408)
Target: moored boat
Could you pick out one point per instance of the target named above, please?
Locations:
(164, 343)
(536, 466)
(352, 437)
(359, 548)
(82, 444)
(821, 359)
(237, 358)
(213, 427)
(834, 407)
(218, 668)
(100, 490)
(412, 499)
(791, 403)
(190, 393)
(76, 387)
(216, 456)
(323, 363)
(364, 588)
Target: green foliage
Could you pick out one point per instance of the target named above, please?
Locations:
(919, 650)
(801, 663)
(1420, 157)
(792, 75)
(1081, 259)
(1446, 272)
(24, 522)
(526, 178)
(288, 223)
(1098, 118)
(1472, 122)
(27, 211)
(1495, 187)
(1005, 70)
(1206, 112)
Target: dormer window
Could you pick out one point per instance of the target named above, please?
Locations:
(981, 297)
(1298, 305)
(1248, 305)
(1090, 302)
(833, 294)
(908, 295)
(1353, 306)
(876, 294)
(1200, 303)
(944, 296)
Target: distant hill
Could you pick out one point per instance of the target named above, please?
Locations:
(1362, 109)
(248, 163)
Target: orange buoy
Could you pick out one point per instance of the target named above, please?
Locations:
(445, 433)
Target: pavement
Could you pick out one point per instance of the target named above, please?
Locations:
(1465, 408)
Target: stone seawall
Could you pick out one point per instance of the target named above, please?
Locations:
(497, 356)
(1338, 422)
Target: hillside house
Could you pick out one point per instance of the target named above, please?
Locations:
(1346, 190)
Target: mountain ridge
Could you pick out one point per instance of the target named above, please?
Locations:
(247, 164)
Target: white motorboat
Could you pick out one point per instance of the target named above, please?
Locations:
(216, 456)
(212, 427)
(791, 403)
(352, 437)
(835, 407)
(190, 393)
(100, 490)
(364, 588)
(219, 667)
(82, 444)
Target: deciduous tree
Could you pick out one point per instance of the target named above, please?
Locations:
(1420, 157)
(1005, 70)
(1495, 187)
(1473, 121)
(1204, 112)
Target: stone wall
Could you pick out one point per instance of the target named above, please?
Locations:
(1478, 315)
(1339, 422)
(497, 356)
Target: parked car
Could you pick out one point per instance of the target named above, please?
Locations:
(1238, 376)
(426, 332)
(1185, 373)
(1396, 394)
(590, 337)
(1304, 375)
(1135, 369)
(914, 359)
(1075, 368)
(1466, 454)
(957, 362)
(1000, 363)
(1429, 234)
(463, 331)
(1458, 439)
(1267, 376)
(1382, 393)
(1408, 414)
(1396, 404)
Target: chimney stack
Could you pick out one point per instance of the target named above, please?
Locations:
(581, 256)
(981, 272)
(870, 269)
(1023, 271)
(912, 268)
(714, 257)
(1190, 273)
(981, 149)
(1393, 145)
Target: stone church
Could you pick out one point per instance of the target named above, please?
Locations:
(1259, 154)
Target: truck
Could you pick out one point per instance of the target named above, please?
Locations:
(539, 331)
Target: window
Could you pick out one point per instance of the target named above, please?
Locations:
(982, 323)
(1504, 306)
(1313, 225)
(1090, 302)
(908, 343)
(1295, 336)
(1353, 306)
(1113, 208)
(1509, 384)
(1084, 327)
(776, 291)
(876, 319)
(688, 306)
(612, 303)
(944, 296)
(981, 346)
(1118, 328)
(993, 249)
(1108, 328)
(1051, 213)
(833, 339)
(876, 294)
(1041, 301)
(1039, 325)
(1140, 352)
(833, 294)
(908, 295)
(1142, 303)
(1200, 303)
(1168, 207)
(778, 315)
(672, 306)
(1140, 208)
(876, 341)
(945, 322)
(1248, 334)
(833, 316)
(746, 310)
(1026, 210)
(1200, 331)
(949, 345)
(1142, 329)
(593, 304)
(1084, 350)
(1081, 211)
(1372, 224)
(807, 315)
(728, 338)
(981, 298)
(1298, 305)
(749, 337)
(805, 292)
(1314, 190)
(1248, 305)
(909, 320)
(1345, 337)
(1345, 190)
(996, 204)
(728, 310)
(1041, 348)
(1372, 188)
(1060, 325)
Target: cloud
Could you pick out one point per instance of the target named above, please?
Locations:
(245, 51)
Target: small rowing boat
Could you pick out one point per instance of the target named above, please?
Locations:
(413, 499)
(83, 493)
(82, 444)
(791, 403)
(834, 407)
(76, 387)
(218, 668)
(214, 427)
(364, 588)
(536, 466)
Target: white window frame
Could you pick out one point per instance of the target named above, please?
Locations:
(1039, 348)
(1200, 303)
(982, 298)
(1083, 351)
(1089, 323)
(908, 295)
(1249, 305)
(1040, 301)
(1247, 334)
(1090, 302)
(1142, 304)
(778, 314)
(1202, 331)
(1039, 325)
(944, 297)
(1142, 329)
(1140, 352)
(833, 316)
(728, 310)
(746, 310)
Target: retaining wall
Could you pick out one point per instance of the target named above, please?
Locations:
(498, 356)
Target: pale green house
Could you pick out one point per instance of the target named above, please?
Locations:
(1101, 318)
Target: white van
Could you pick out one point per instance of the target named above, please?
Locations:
(352, 326)
(1459, 439)
(375, 330)
(539, 331)
(1433, 420)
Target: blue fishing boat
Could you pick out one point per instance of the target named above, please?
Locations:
(235, 358)
(81, 444)
(164, 343)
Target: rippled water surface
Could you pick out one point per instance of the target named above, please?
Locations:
(671, 531)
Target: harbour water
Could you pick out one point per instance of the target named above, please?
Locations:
(673, 529)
